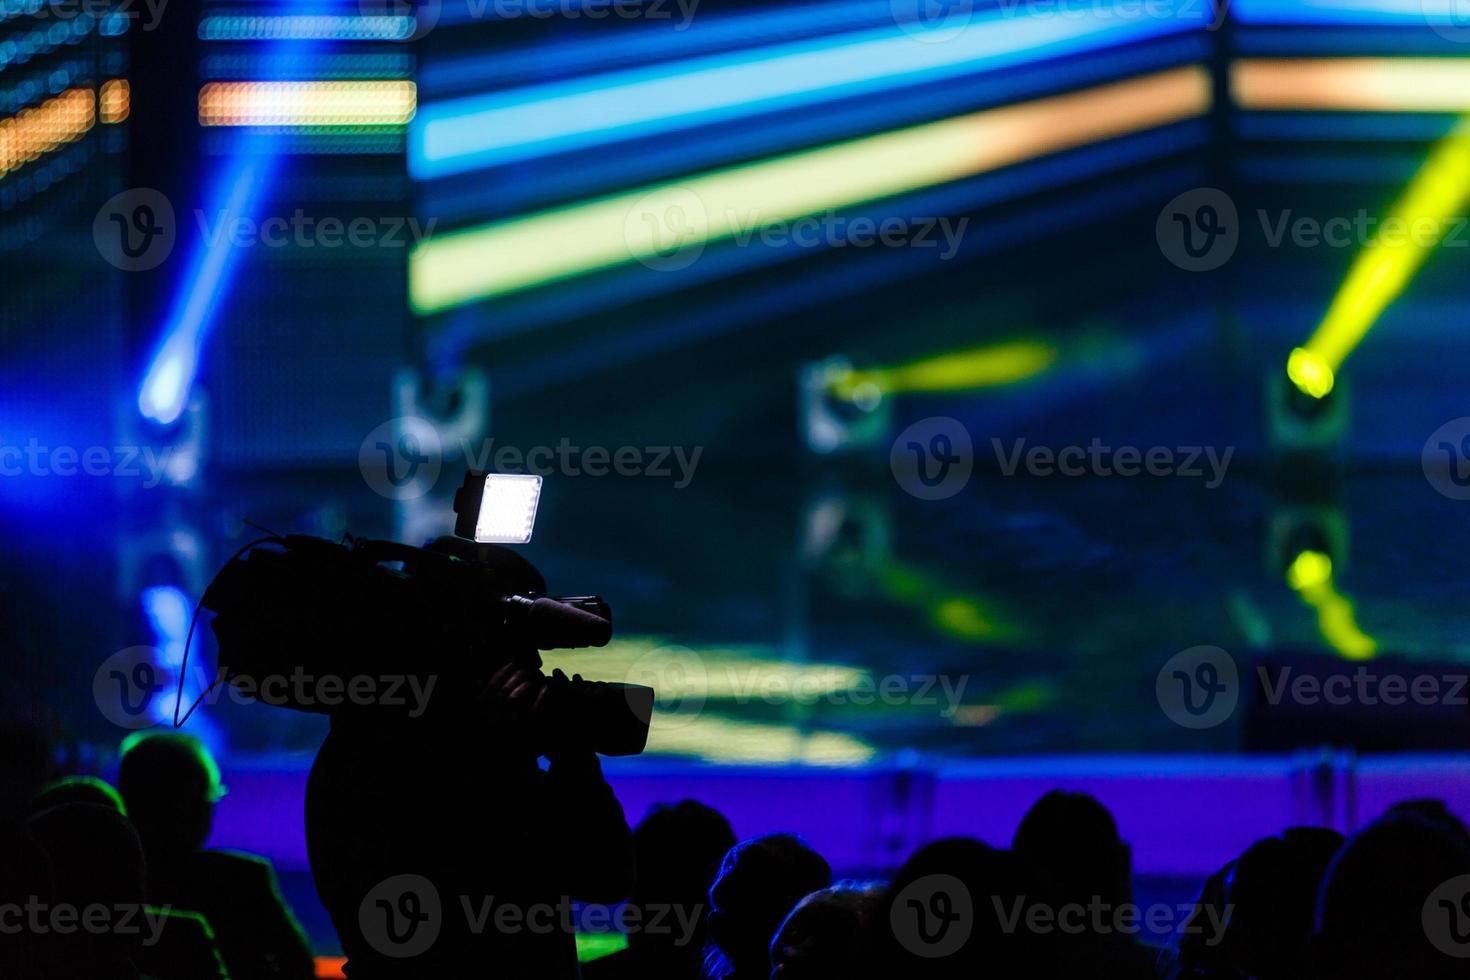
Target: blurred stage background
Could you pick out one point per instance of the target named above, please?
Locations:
(640, 226)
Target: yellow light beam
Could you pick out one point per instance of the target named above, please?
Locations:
(1310, 576)
(963, 616)
(979, 367)
(1413, 228)
(501, 258)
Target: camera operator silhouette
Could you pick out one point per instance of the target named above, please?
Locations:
(438, 844)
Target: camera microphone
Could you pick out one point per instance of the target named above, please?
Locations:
(560, 624)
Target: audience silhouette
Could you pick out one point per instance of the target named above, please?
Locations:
(1071, 842)
(958, 908)
(677, 850)
(1384, 910)
(170, 785)
(1272, 897)
(96, 867)
(1391, 901)
(829, 935)
(759, 883)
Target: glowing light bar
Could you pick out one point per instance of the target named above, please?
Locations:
(1413, 228)
(714, 738)
(305, 27)
(1353, 84)
(485, 130)
(329, 103)
(980, 367)
(114, 100)
(480, 263)
(692, 683)
(36, 131)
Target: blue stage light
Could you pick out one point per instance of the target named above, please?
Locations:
(248, 171)
(471, 133)
(170, 377)
(168, 611)
(1378, 13)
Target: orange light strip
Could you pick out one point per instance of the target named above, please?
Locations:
(383, 102)
(114, 100)
(1353, 84)
(330, 967)
(40, 129)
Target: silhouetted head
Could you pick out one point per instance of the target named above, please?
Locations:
(829, 935)
(1382, 912)
(759, 882)
(170, 784)
(677, 850)
(958, 908)
(1072, 842)
(1435, 812)
(1271, 897)
(93, 851)
(78, 789)
(95, 859)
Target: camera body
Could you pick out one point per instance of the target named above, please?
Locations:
(456, 611)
